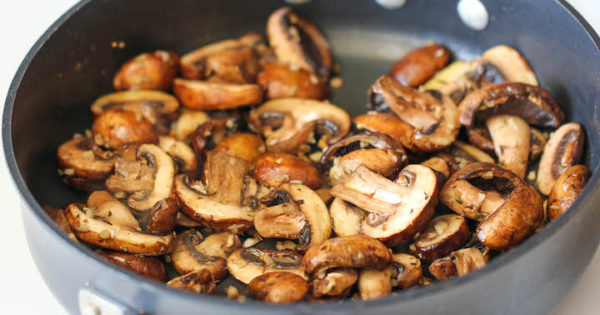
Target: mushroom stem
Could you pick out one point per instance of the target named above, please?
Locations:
(511, 138)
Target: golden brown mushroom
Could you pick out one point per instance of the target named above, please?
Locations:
(276, 168)
(459, 263)
(420, 64)
(147, 71)
(280, 81)
(203, 95)
(443, 235)
(152, 105)
(566, 189)
(149, 267)
(200, 282)
(278, 287)
(246, 264)
(117, 127)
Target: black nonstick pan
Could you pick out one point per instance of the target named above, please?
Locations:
(73, 63)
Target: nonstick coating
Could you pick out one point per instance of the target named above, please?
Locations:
(74, 61)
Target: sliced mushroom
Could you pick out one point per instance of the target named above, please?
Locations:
(420, 64)
(187, 122)
(443, 235)
(398, 209)
(58, 216)
(111, 210)
(459, 263)
(276, 168)
(281, 81)
(566, 189)
(200, 282)
(85, 163)
(150, 182)
(183, 220)
(538, 141)
(438, 165)
(243, 145)
(386, 123)
(152, 105)
(334, 283)
(161, 218)
(511, 66)
(233, 60)
(432, 117)
(456, 80)
(298, 42)
(563, 150)
(287, 123)
(345, 217)
(278, 287)
(354, 251)
(149, 267)
(248, 263)
(193, 253)
(117, 127)
(147, 71)
(202, 95)
(406, 271)
(183, 156)
(280, 221)
(374, 284)
(511, 137)
(518, 206)
(463, 154)
(99, 232)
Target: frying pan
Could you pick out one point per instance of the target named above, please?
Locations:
(73, 62)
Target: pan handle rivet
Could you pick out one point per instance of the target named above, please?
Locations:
(473, 13)
(391, 4)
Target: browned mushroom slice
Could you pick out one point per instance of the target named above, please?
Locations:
(183, 156)
(374, 284)
(471, 201)
(202, 95)
(58, 216)
(150, 179)
(149, 267)
(193, 253)
(81, 159)
(200, 282)
(563, 150)
(398, 209)
(459, 263)
(183, 220)
(117, 127)
(280, 221)
(280, 81)
(111, 210)
(248, 263)
(161, 218)
(278, 287)
(233, 60)
(243, 145)
(513, 220)
(334, 283)
(288, 123)
(456, 80)
(147, 71)
(97, 231)
(406, 271)
(354, 251)
(537, 142)
(148, 104)
(187, 122)
(480, 137)
(298, 42)
(566, 189)
(276, 168)
(439, 165)
(463, 154)
(511, 66)
(511, 137)
(443, 235)
(345, 217)
(432, 117)
(386, 123)
(420, 64)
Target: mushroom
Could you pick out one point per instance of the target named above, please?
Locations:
(199, 282)
(514, 209)
(202, 95)
(183, 156)
(397, 209)
(318, 224)
(420, 64)
(276, 168)
(298, 42)
(439, 165)
(354, 251)
(280, 221)
(105, 206)
(459, 263)
(85, 165)
(563, 150)
(96, 230)
(247, 146)
(346, 218)
(148, 267)
(117, 127)
(147, 71)
(161, 218)
(456, 80)
(233, 60)
(443, 235)
(406, 271)
(508, 109)
(538, 141)
(218, 202)
(374, 284)
(334, 283)
(281, 81)
(183, 220)
(287, 123)
(376, 151)
(461, 154)
(278, 287)
(508, 63)
(58, 216)
(566, 189)
(246, 264)
(151, 105)
(150, 179)
(428, 120)
(221, 125)
(187, 122)
(193, 253)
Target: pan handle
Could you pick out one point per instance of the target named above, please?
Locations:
(92, 302)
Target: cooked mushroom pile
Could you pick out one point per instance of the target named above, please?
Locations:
(229, 160)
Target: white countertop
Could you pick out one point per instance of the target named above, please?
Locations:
(23, 290)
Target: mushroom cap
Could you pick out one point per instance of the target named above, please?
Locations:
(280, 81)
(118, 127)
(146, 103)
(200, 282)
(246, 264)
(406, 270)
(247, 146)
(79, 155)
(189, 255)
(420, 64)
(278, 287)
(509, 62)
(566, 189)
(149, 267)
(203, 95)
(276, 168)
(335, 283)
(374, 284)
(443, 235)
(147, 71)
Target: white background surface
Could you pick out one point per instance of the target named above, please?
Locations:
(22, 289)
